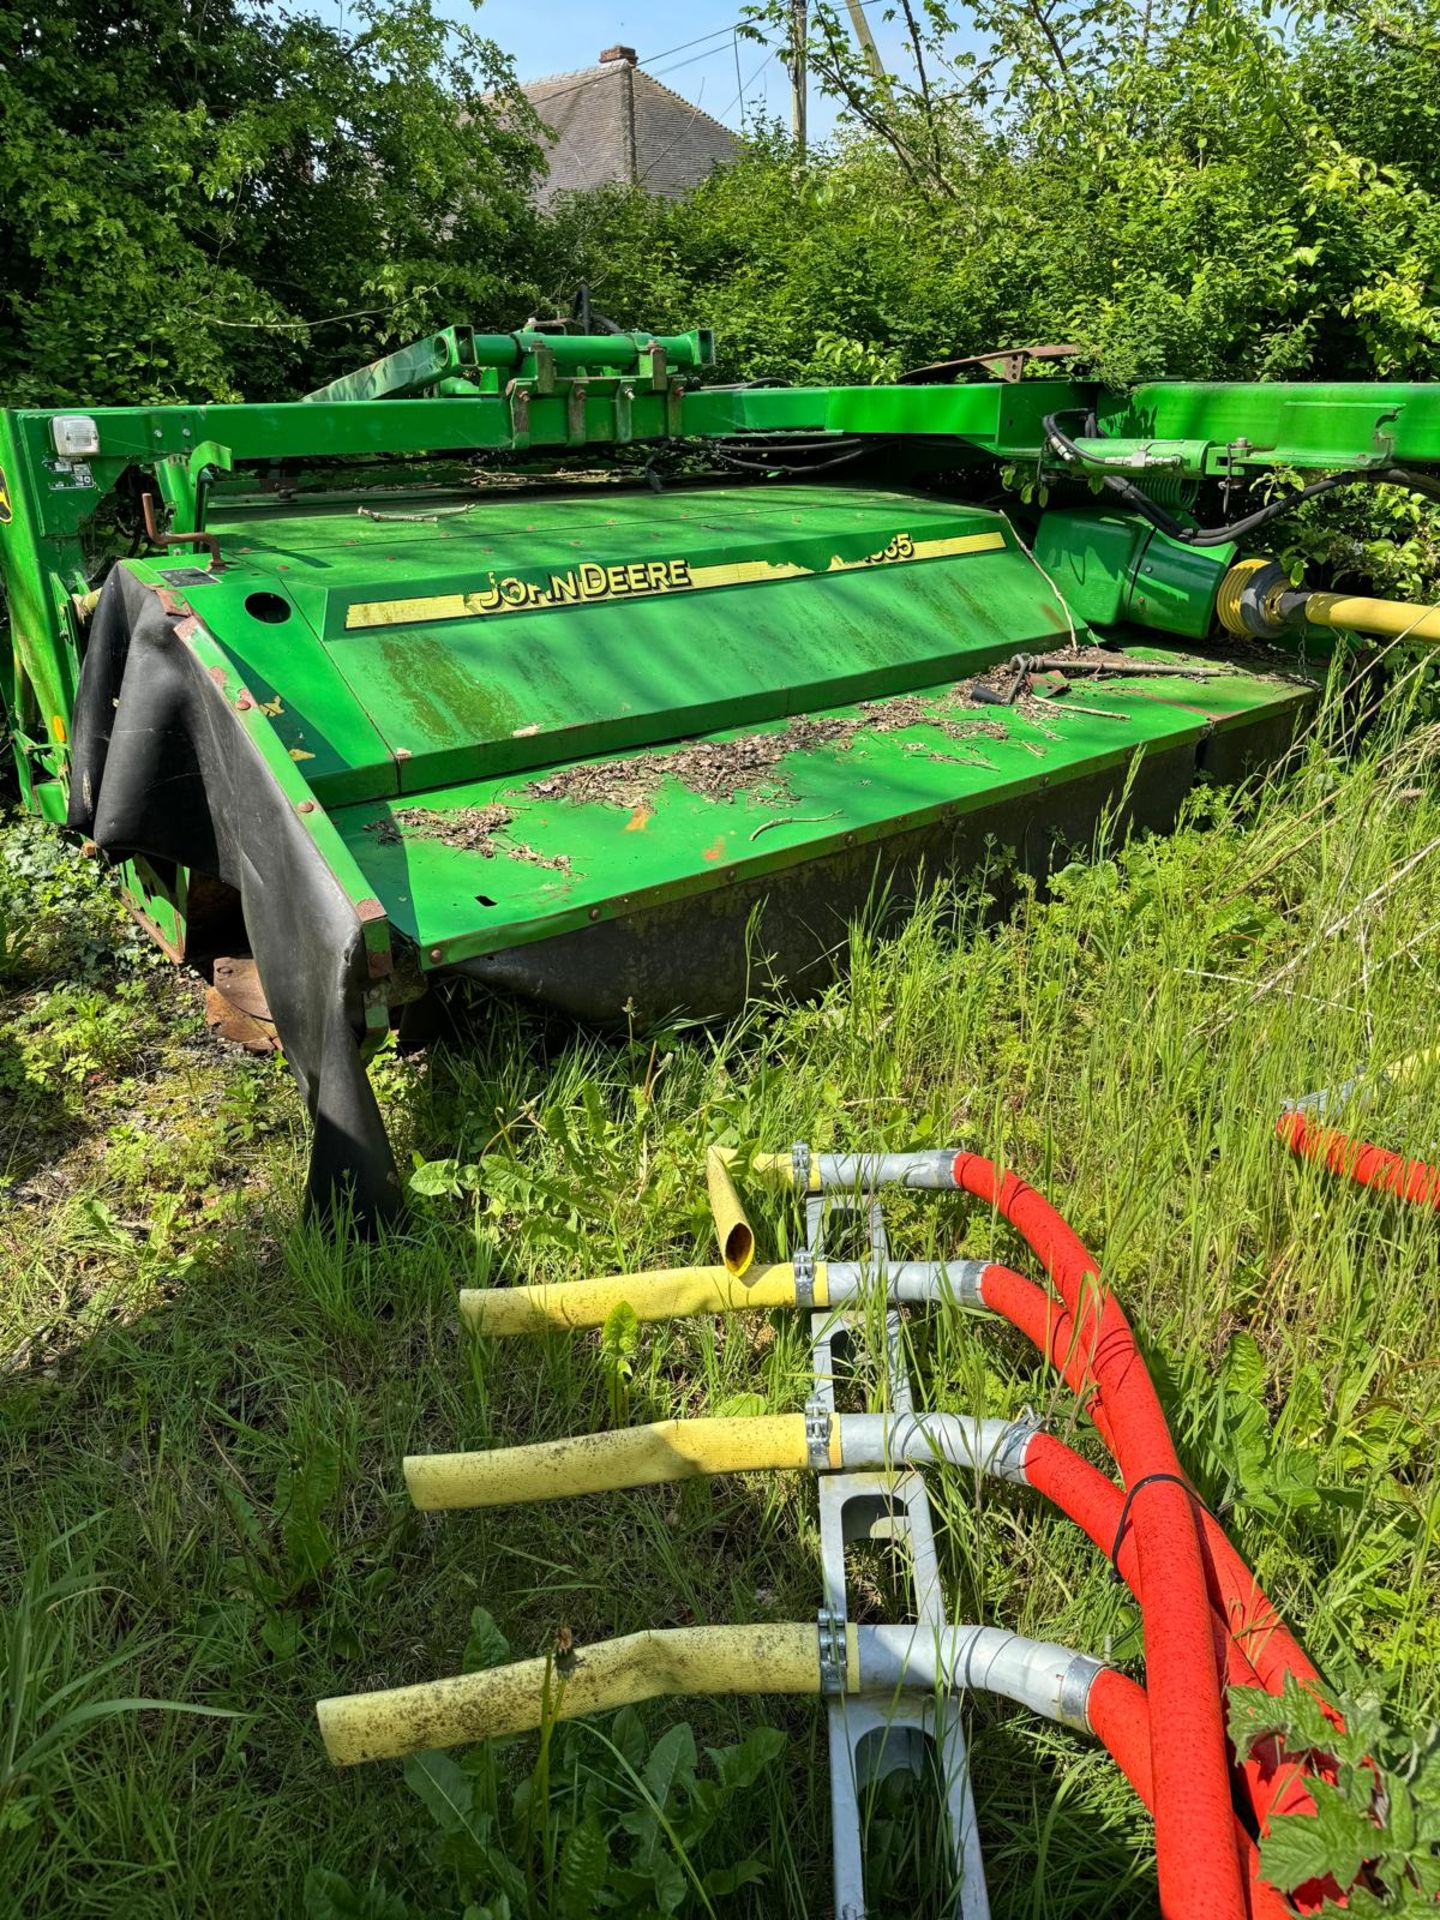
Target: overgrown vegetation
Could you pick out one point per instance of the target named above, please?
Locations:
(223, 202)
(1208, 191)
(204, 1404)
(1203, 191)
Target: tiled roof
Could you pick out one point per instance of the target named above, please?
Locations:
(614, 123)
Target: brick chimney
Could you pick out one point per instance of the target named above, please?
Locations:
(627, 54)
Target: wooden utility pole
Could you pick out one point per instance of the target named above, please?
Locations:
(799, 34)
(866, 40)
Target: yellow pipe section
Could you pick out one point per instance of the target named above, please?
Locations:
(1399, 1071)
(1388, 619)
(780, 1167)
(613, 1673)
(665, 1293)
(736, 1237)
(603, 1462)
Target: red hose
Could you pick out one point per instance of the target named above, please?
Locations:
(1234, 1591)
(1197, 1862)
(1083, 1494)
(1119, 1715)
(1414, 1181)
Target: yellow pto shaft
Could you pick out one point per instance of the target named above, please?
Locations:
(614, 1673)
(1385, 619)
(603, 1462)
(666, 1293)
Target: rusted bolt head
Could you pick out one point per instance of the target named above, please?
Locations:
(437, 953)
(244, 703)
(594, 913)
(306, 806)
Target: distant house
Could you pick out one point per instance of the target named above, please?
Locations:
(613, 125)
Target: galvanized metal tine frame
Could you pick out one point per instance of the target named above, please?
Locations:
(871, 1739)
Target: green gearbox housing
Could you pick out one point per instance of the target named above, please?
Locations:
(407, 679)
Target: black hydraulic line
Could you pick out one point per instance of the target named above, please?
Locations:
(809, 443)
(1166, 523)
(781, 468)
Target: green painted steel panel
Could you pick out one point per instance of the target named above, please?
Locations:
(619, 858)
(1112, 567)
(1341, 424)
(798, 596)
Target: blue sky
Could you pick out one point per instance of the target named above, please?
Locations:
(557, 36)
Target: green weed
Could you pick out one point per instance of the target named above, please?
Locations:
(223, 1396)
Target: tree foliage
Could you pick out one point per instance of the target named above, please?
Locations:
(1175, 185)
(214, 198)
(227, 199)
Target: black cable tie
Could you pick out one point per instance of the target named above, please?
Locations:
(1177, 1479)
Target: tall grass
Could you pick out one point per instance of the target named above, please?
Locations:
(1127, 1040)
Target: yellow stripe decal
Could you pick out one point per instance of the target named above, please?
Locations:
(589, 582)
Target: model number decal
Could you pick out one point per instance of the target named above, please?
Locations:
(590, 582)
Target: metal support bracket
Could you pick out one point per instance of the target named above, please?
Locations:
(624, 413)
(675, 408)
(518, 394)
(913, 1733)
(575, 412)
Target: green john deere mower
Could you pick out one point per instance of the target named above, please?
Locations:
(435, 672)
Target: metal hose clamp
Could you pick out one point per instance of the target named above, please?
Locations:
(804, 1268)
(800, 1166)
(817, 1433)
(834, 1656)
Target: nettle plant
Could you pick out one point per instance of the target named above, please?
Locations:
(604, 1821)
(1372, 1845)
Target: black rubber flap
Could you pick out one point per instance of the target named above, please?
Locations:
(162, 767)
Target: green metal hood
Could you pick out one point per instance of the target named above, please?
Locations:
(418, 642)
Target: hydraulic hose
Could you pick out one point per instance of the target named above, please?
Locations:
(782, 1659)
(1197, 1861)
(610, 1674)
(732, 1229)
(1417, 1182)
(1166, 523)
(604, 1462)
(674, 1450)
(665, 1293)
(1120, 1720)
(1236, 1595)
(1097, 1506)
(1203, 1611)
(678, 1292)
